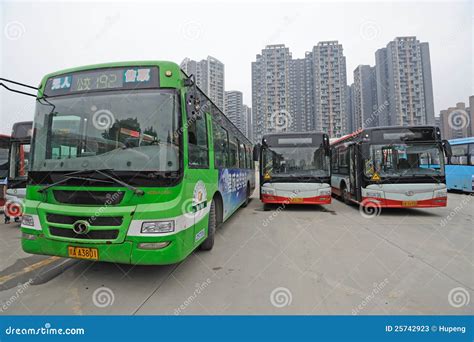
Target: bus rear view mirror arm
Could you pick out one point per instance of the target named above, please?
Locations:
(447, 148)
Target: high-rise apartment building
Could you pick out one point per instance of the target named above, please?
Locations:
(248, 118)
(457, 122)
(234, 108)
(329, 88)
(364, 98)
(271, 102)
(210, 77)
(403, 83)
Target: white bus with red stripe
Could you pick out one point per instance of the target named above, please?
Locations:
(295, 169)
(391, 167)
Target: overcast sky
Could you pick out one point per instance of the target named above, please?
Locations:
(41, 37)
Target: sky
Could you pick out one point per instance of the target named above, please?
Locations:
(41, 37)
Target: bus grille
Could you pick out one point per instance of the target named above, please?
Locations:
(89, 197)
(91, 235)
(93, 221)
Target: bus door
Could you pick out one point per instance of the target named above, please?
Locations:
(354, 174)
(198, 182)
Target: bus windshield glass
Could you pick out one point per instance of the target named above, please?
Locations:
(121, 131)
(411, 160)
(307, 161)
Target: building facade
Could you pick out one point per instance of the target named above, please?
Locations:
(364, 98)
(210, 77)
(271, 103)
(457, 122)
(234, 108)
(329, 88)
(403, 83)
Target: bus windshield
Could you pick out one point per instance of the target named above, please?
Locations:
(121, 131)
(398, 160)
(295, 162)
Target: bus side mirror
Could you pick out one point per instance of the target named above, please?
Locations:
(447, 148)
(365, 151)
(256, 152)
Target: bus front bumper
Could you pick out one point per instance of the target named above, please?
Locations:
(134, 250)
(390, 203)
(271, 199)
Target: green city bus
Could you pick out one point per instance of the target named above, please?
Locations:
(131, 163)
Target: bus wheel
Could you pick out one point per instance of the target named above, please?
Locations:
(211, 229)
(345, 195)
(247, 199)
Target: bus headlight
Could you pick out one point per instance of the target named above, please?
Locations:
(154, 227)
(440, 193)
(374, 194)
(27, 221)
(268, 191)
(325, 192)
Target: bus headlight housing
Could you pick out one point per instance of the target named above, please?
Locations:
(325, 192)
(27, 221)
(374, 194)
(154, 227)
(440, 193)
(268, 191)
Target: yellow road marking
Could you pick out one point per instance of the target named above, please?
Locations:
(27, 269)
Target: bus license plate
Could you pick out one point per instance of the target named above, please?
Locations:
(409, 203)
(83, 253)
(296, 200)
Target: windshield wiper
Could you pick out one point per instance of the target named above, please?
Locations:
(72, 175)
(135, 190)
(66, 178)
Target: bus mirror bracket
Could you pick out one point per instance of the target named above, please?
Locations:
(447, 148)
(193, 101)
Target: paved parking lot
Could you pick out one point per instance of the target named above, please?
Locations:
(294, 260)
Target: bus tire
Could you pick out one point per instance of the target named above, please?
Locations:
(345, 194)
(247, 198)
(211, 229)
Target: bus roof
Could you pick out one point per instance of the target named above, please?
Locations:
(359, 132)
(460, 141)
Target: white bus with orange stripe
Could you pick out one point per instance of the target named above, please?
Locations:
(295, 169)
(391, 167)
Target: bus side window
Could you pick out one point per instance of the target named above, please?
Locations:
(221, 146)
(249, 157)
(198, 145)
(460, 155)
(334, 164)
(242, 156)
(233, 152)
